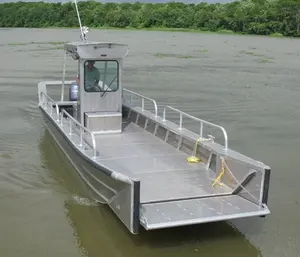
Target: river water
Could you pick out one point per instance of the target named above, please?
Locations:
(248, 84)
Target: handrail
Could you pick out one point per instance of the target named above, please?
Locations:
(82, 128)
(201, 123)
(53, 102)
(143, 99)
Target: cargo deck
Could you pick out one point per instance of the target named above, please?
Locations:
(162, 169)
(174, 192)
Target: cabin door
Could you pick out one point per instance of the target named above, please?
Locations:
(102, 92)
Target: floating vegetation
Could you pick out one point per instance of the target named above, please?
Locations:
(264, 58)
(162, 55)
(203, 50)
(246, 52)
(35, 43)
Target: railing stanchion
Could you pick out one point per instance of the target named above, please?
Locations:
(180, 121)
(70, 124)
(81, 132)
(201, 129)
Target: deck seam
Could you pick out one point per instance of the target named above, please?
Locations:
(150, 202)
(175, 170)
(137, 144)
(161, 171)
(140, 156)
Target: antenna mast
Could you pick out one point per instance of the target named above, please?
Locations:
(83, 30)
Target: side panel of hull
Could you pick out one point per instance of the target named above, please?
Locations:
(122, 198)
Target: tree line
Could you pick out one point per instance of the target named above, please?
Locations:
(261, 17)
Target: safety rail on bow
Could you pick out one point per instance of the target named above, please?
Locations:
(82, 129)
(47, 99)
(143, 98)
(199, 120)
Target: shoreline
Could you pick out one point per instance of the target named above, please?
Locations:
(159, 29)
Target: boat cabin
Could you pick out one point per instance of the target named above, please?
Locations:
(98, 87)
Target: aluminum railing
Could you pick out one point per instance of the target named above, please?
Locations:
(181, 113)
(82, 129)
(143, 98)
(59, 118)
(46, 99)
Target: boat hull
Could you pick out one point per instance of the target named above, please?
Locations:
(122, 198)
(142, 173)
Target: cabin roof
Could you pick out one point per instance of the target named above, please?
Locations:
(96, 50)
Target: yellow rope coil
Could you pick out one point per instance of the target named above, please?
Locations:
(194, 158)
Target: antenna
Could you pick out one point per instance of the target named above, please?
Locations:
(83, 30)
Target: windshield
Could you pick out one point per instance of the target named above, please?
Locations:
(101, 76)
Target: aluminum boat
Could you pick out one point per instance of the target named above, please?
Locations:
(151, 170)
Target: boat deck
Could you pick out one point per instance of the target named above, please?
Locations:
(163, 170)
(173, 192)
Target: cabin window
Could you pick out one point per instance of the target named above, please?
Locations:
(101, 76)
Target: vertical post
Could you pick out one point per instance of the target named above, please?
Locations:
(63, 79)
(81, 131)
(95, 152)
(57, 113)
(180, 122)
(143, 104)
(70, 126)
(201, 129)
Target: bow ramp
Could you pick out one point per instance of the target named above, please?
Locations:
(195, 211)
(177, 193)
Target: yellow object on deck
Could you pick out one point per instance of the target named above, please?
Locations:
(194, 158)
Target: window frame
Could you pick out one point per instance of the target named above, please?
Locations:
(102, 91)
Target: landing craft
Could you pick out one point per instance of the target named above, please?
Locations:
(152, 172)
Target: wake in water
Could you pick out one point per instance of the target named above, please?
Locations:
(83, 201)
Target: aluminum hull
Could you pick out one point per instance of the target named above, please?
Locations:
(143, 174)
(102, 186)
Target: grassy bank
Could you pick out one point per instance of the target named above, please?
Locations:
(255, 17)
